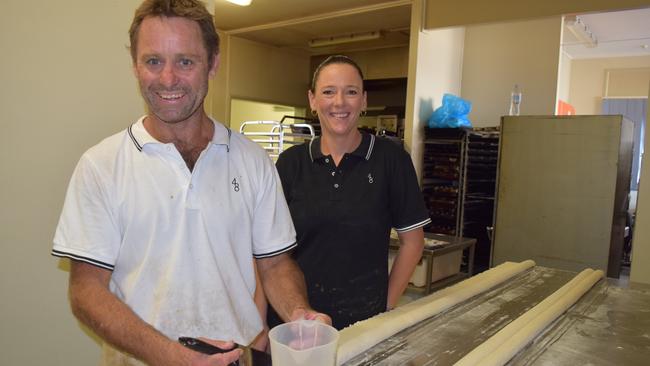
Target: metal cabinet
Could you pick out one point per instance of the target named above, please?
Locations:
(562, 191)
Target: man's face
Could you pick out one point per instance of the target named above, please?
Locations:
(172, 68)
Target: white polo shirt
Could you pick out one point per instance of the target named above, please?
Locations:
(180, 243)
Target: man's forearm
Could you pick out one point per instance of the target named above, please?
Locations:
(261, 341)
(95, 306)
(284, 285)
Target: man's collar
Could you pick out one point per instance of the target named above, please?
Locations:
(140, 136)
(221, 135)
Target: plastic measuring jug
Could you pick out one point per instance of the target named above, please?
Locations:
(303, 342)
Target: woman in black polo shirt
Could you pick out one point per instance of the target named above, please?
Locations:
(346, 190)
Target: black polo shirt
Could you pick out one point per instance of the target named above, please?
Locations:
(343, 216)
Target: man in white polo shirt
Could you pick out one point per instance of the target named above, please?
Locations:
(164, 221)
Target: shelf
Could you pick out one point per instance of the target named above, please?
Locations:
(459, 182)
(479, 197)
(442, 142)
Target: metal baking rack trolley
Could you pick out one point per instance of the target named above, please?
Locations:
(275, 137)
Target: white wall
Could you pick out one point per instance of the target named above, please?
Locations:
(435, 59)
(564, 77)
(67, 83)
(588, 80)
(626, 83)
(497, 56)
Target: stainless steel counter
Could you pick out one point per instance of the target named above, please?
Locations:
(610, 325)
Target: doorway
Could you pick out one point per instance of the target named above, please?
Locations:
(634, 109)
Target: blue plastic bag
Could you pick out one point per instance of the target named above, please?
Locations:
(452, 113)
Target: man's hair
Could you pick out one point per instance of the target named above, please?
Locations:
(189, 9)
(335, 59)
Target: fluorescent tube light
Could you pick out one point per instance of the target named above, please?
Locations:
(581, 31)
(240, 2)
(347, 38)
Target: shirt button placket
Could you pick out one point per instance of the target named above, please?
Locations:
(337, 183)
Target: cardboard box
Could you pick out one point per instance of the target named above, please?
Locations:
(443, 266)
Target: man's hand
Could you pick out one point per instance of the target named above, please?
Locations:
(217, 359)
(310, 314)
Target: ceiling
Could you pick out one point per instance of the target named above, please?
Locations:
(619, 34)
(293, 23)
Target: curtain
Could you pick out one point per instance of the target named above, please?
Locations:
(635, 110)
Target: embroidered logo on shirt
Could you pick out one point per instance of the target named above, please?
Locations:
(370, 179)
(235, 185)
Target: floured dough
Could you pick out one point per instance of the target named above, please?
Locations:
(502, 346)
(362, 335)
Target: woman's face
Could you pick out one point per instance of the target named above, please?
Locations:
(338, 98)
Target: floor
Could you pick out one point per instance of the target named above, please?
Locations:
(624, 278)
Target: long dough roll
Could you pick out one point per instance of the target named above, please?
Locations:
(548, 314)
(484, 349)
(362, 335)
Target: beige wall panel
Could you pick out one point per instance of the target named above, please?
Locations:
(244, 110)
(588, 83)
(387, 63)
(640, 270)
(497, 56)
(219, 85)
(627, 82)
(382, 63)
(462, 12)
(266, 73)
(67, 84)
(556, 190)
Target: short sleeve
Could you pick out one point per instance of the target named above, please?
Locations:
(87, 229)
(283, 166)
(407, 207)
(273, 230)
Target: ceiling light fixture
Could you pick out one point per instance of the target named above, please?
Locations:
(581, 31)
(347, 38)
(240, 2)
